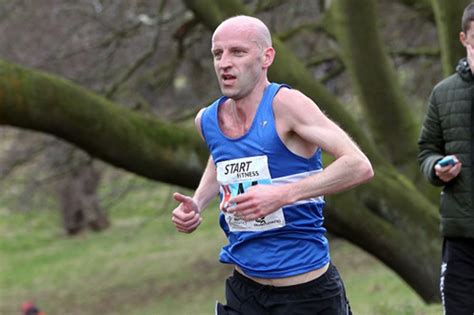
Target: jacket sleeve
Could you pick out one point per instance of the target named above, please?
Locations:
(431, 142)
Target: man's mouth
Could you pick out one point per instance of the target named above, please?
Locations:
(227, 77)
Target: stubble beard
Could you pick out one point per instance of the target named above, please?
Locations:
(230, 92)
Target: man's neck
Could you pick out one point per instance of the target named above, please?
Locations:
(248, 105)
(236, 115)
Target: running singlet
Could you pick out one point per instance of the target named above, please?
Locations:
(289, 241)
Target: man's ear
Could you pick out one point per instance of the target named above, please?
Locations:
(268, 57)
(462, 38)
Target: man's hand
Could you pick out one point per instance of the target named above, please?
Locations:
(186, 216)
(448, 172)
(257, 202)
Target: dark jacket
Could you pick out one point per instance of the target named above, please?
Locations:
(447, 129)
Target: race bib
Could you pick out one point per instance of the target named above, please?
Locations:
(236, 177)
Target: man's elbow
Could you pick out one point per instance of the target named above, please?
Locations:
(366, 172)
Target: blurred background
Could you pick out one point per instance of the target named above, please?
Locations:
(86, 235)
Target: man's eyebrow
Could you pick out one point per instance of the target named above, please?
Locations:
(239, 48)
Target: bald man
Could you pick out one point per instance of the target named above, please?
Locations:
(265, 141)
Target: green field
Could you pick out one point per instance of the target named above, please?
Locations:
(141, 266)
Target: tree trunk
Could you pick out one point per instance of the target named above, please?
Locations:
(79, 204)
(139, 143)
(448, 20)
(375, 80)
(390, 117)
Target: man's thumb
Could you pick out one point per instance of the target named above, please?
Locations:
(187, 201)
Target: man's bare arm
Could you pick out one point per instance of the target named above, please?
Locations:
(187, 216)
(299, 115)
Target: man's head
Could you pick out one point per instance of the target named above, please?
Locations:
(255, 28)
(467, 34)
(242, 51)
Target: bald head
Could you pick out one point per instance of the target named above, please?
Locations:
(253, 27)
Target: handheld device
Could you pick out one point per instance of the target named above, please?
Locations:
(447, 160)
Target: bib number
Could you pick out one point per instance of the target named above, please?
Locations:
(236, 177)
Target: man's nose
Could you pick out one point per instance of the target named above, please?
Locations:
(225, 61)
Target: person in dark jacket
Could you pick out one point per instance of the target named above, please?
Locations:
(446, 146)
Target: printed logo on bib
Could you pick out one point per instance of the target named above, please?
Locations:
(236, 177)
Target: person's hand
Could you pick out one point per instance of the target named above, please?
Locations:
(257, 202)
(448, 172)
(470, 57)
(186, 217)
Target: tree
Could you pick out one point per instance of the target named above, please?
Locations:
(394, 217)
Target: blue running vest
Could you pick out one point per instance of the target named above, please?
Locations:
(288, 242)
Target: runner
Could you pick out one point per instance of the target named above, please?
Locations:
(265, 141)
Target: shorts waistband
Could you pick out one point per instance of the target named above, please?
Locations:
(320, 279)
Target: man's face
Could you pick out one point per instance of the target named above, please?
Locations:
(238, 61)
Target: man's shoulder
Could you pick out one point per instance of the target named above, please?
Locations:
(451, 89)
(200, 112)
(294, 107)
(211, 107)
(287, 97)
(448, 83)
(205, 116)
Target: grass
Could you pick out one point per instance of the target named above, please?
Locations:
(141, 266)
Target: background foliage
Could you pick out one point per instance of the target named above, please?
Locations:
(152, 58)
